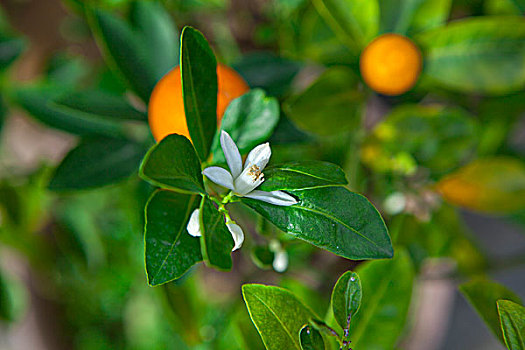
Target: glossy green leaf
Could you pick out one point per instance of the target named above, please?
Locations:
(483, 295)
(512, 318)
(158, 35)
(10, 50)
(332, 218)
(264, 70)
(492, 185)
(430, 14)
(477, 54)
(169, 249)
(97, 162)
(435, 137)
(216, 240)
(99, 103)
(250, 120)
(387, 291)
(302, 175)
(199, 89)
(310, 338)
(346, 298)
(331, 105)
(39, 103)
(355, 22)
(125, 52)
(277, 314)
(173, 164)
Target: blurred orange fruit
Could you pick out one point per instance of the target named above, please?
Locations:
(166, 106)
(390, 64)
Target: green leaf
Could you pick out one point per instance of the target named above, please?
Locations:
(310, 339)
(158, 35)
(478, 54)
(387, 290)
(435, 137)
(169, 249)
(483, 295)
(39, 103)
(99, 103)
(265, 70)
(512, 318)
(262, 256)
(302, 175)
(173, 164)
(332, 218)
(430, 14)
(199, 89)
(346, 298)
(250, 120)
(331, 105)
(13, 298)
(396, 15)
(125, 52)
(277, 314)
(97, 162)
(355, 22)
(491, 185)
(216, 240)
(10, 50)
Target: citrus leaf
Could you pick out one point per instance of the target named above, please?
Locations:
(477, 54)
(512, 318)
(173, 164)
(302, 175)
(277, 314)
(216, 240)
(169, 249)
(483, 295)
(332, 218)
(199, 89)
(10, 49)
(430, 14)
(96, 162)
(387, 290)
(396, 15)
(310, 338)
(346, 298)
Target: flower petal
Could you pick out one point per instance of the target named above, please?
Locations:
(194, 227)
(232, 154)
(259, 156)
(249, 180)
(280, 261)
(220, 176)
(274, 197)
(237, 234)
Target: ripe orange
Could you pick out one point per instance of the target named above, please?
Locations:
(166, 107)
(391, 64)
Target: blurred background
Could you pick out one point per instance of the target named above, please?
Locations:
(72, 259)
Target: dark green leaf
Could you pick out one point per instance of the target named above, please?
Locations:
(397, 14)
(265, 70)
(173, 164)
(478, 54)
(430, 14)
(512, 318)
(302, 175)
(346, 298)
(97, 162)
(99, 103)
(216, 240)
(158, 35)
(332, 218)
(10, 50)
(331, 105)
(39, 103)
(483, 295)
(125, 52)
(355, 22)
(277, 314)
(169, 249)
(250, 120)
(262, 256)
(199, 89)
(310, 338)
(387, 290)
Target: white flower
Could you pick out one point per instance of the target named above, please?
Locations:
(194, 229)
(280, 256)
(243, 180)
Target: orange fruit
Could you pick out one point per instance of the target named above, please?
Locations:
(390, 64)
(166, 106)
